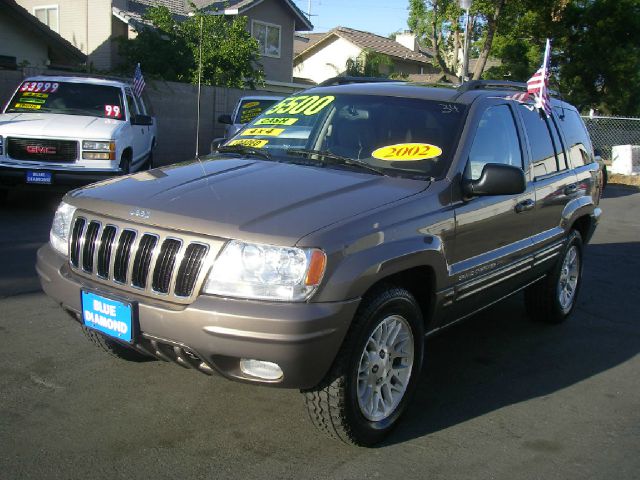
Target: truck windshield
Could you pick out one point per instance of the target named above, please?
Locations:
(68, 98)
(251, 108)
(394, 135)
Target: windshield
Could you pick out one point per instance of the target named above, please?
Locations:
(68, 98)
(250, 109)
(393, 134)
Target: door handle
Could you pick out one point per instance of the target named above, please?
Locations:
(525, 205)
(570, 189)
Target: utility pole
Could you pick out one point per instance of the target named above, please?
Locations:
(191, 14)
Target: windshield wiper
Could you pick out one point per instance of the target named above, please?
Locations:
(243, 149)
(327, 155)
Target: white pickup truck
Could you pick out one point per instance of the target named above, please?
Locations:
(73, 130)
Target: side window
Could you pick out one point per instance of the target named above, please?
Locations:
(558, 144)
(131, 103)
(576, 135)
(496, 141)
(543, 153)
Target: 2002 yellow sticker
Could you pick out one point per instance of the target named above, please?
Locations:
(266, 132)
(407, 152)
(276, 121)
(304, 104)
(29, 106)
(248, 142)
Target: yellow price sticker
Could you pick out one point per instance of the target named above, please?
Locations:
(250, 104)
(35, 94)
(266, 132)
(247, 142)
(27, 106)
(276, 121)
(406, 152)
(303, 104)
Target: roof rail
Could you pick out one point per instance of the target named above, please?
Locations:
(346, 80)
(496, 85)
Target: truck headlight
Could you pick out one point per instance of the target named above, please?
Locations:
(266, 272)
(98, 150)
(60, 228)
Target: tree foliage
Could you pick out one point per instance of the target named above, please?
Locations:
(595, 48)
(369, 64)
(170, 49)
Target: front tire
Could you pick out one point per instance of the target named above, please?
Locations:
(362, 397)
(552, 299)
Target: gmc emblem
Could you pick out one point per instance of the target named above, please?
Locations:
(40, 149)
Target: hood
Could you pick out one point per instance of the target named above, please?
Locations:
(53, 125)
(246, 199)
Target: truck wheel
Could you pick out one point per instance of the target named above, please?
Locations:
(125, 162)
(113, 348)
(375, 372)
(552, 299)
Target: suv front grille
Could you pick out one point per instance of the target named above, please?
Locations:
(42, 149)
(148, 262)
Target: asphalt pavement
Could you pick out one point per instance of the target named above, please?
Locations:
(500, 397)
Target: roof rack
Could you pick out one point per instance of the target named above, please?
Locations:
(496, 85)
(346, 80)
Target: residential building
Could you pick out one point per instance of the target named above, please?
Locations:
(325, 55)
(94, 26)
(24, 41)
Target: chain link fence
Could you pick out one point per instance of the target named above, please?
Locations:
(606, 132)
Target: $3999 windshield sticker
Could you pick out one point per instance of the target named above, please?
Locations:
(407, 152)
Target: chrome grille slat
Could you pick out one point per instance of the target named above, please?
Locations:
(148, 261)
(123, 253)
(89, 246)
(142, 260)
(165, 264)
(189, 269)
(103, 258)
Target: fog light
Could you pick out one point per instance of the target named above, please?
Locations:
(260, 369)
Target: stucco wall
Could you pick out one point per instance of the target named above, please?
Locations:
(327, 62)
(272, 11)
(16, 41)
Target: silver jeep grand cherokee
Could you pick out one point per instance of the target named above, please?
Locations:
(319, 247)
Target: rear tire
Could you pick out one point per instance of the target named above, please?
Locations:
(114, 348)
(552, 299)
(373, 377)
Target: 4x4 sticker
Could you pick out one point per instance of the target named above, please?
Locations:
(266, 132)
(276, 121)
(407, 152)
(304, 104)
(248, 142)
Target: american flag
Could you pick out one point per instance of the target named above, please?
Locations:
(138, 81)
(538, 85)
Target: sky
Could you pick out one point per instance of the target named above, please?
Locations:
(378, 16)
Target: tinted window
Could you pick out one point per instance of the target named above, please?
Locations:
(133, 106)
(558, 144)
(496, 141)
(250, 109)
(543, 156)
(68, 98)
(576, 136)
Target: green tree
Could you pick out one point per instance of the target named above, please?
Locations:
(170, 49)
(369, 64)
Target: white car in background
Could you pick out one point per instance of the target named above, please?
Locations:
(73, 130)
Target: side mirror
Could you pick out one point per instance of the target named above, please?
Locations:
(216, 142)
(496, 179)
(141, 120)
(225, 118)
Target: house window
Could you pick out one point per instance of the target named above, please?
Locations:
(268, 36)
(47, 15)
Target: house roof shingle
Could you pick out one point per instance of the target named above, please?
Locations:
(371, 41)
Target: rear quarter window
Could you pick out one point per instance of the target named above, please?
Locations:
(575, 133)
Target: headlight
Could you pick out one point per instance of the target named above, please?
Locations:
(98, 150)
(59, 235)
(266, 272)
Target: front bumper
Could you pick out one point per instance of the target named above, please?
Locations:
(302, 338)
(16, 176)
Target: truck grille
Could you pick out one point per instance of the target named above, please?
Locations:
(153, 263)
(42, 149)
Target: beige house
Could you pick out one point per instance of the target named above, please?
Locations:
(93, 26)
(324, 56)
(24, 41)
